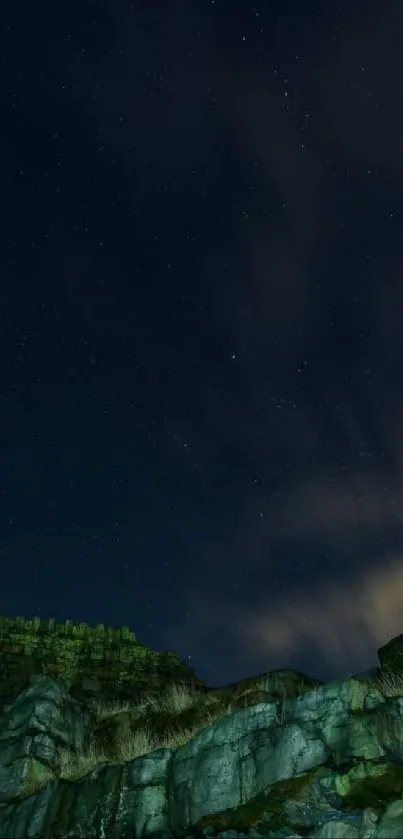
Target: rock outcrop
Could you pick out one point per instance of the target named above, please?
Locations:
(91, 661)
(279, 755)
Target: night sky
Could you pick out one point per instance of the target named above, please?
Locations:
(201, 326)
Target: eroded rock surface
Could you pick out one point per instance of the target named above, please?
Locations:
(278, 755)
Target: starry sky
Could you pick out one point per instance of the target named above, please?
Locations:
(201, 297)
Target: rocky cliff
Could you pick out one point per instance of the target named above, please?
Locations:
(277, 755)
(91, 661)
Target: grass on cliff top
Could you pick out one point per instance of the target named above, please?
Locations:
(176, 700)
(390, 684)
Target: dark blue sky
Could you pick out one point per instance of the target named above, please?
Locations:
(201, 327)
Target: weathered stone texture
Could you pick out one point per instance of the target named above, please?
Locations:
(97, 661)
(274, 756)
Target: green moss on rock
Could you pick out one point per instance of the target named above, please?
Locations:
(92, 661)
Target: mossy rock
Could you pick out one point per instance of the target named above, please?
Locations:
(266, 811)
(370, 784)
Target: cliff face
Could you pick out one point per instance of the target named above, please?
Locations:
(276, 755)
(324, 761)
(91, 661)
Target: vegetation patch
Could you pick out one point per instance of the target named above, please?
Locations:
(265, 811)
(378, 785)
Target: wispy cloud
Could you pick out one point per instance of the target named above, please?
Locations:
(344, 622)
